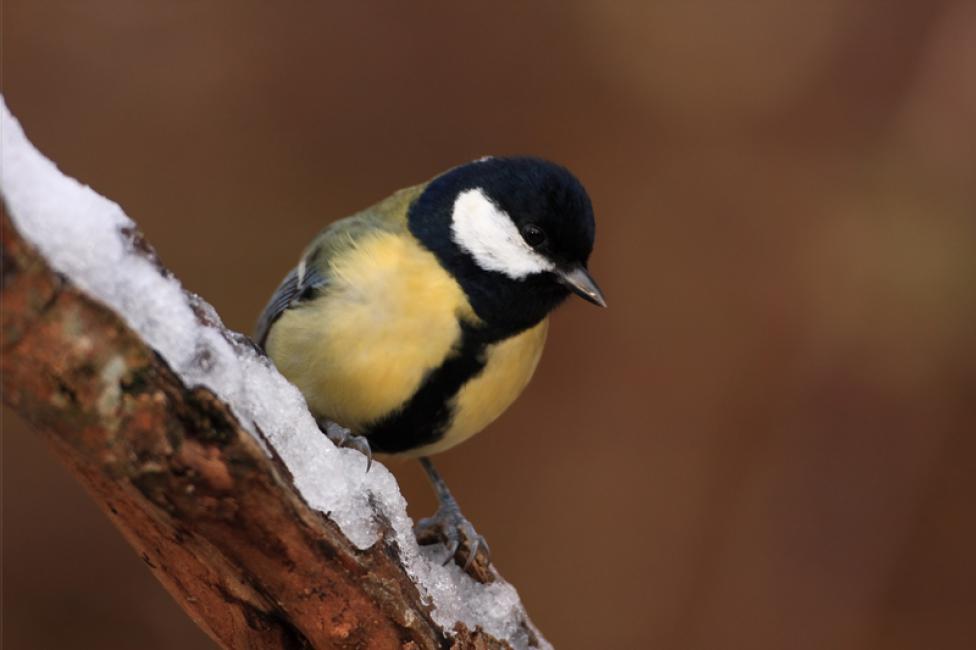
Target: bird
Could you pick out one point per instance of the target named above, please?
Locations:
(412, 325)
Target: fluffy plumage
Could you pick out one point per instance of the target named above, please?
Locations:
(418, 321)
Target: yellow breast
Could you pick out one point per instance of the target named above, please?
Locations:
(390, 316)
(510, 365)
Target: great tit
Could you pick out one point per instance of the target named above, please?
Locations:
(412, 325)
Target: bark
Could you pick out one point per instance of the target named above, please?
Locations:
(215, 519)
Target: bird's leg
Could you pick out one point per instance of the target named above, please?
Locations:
(448, 525)
(344, 438)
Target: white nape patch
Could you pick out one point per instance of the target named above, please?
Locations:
(491, 237)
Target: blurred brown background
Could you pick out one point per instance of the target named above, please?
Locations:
(767, 441)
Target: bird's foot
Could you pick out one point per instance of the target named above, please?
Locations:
(452, 528)
(345, 439)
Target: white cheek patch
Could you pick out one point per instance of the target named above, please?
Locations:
(492, 238)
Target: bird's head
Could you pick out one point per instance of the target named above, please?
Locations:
(515, 232)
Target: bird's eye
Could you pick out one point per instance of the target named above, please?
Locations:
(533, 235)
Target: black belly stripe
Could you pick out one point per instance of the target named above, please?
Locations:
(425, 418)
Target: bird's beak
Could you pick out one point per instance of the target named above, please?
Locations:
(579, 281)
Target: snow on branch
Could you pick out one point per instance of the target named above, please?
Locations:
(204, 456)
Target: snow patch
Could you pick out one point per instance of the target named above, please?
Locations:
(90, 239)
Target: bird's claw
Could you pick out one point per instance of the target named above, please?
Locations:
(451, 528)
(345, 439)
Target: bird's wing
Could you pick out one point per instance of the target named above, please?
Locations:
(289, 293)
(311, 277)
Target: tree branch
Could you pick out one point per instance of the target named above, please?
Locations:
(210, 506)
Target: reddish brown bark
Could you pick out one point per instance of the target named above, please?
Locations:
(214, 518)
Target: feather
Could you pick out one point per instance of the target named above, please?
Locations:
(289, 293)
